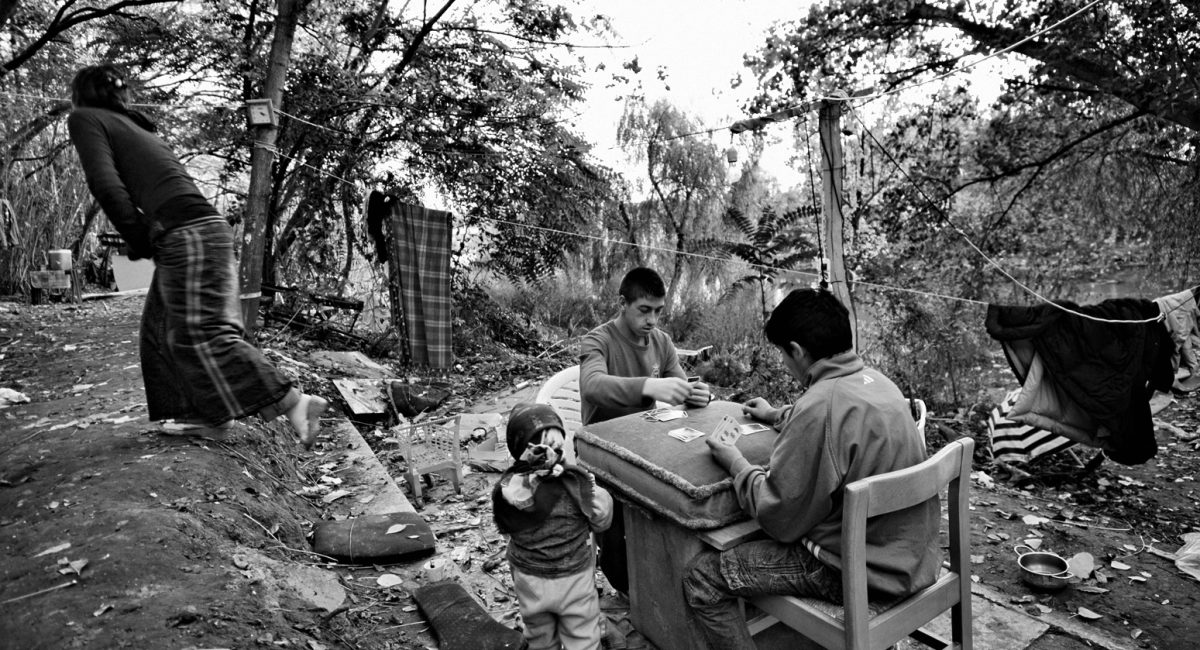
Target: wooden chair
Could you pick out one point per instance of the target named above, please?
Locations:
(858, 624)
(431, 447)
(562, 392)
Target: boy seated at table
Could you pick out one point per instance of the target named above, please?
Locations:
(625, 366)
(549, 510)
(850, 422)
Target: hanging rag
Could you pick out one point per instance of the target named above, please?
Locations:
(379, 210)
(1084, 379)
(1182, 318)
(421, 270)
(1014, 441)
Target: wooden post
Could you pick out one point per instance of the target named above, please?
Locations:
(262, 155)
(833, 173)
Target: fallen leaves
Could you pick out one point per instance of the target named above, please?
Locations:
(1088, 614)
(1081, 565)
(335, 495)
(67, 567)
(55, 549)
(388, 580)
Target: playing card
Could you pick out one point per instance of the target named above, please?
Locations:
(753, 427)
(726, 426)
(685, 434)
(665, 415)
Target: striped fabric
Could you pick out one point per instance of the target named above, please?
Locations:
(1018, 442)
(421, 270)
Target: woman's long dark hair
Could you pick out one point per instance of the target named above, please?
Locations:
(105, 86)
(101, 86)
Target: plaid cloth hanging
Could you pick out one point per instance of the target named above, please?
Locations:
(421, 268)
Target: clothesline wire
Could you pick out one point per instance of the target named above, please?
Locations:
(865, 99)
(946, 218)
(672, 251)
(259, 144)
(818, 276)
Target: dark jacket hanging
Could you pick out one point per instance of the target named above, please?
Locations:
(1107, 371)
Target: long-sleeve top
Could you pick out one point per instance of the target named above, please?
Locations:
(614, 366)
(850, 423)
(137, 179)
(560, 545)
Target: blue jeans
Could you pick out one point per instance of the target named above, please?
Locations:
(715, 581)
(196, 366)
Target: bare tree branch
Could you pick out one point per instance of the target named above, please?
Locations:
(1143, 94)
(64, 20)
(1040, 163)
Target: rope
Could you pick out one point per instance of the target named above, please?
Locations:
(946, 218)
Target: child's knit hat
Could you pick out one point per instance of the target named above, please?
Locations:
(526, 423)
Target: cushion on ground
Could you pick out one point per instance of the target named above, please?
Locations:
(461, 623)
(643, 465)
(366, 540)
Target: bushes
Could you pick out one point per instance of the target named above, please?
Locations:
(561, 307)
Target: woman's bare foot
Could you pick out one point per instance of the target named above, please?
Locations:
(305, 417)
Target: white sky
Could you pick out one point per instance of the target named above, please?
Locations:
(700, 44)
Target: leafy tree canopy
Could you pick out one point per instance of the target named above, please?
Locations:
(1095, 132)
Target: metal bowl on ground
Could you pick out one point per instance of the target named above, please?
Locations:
(1042, 569)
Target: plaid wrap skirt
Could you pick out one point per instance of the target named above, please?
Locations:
(196, 365)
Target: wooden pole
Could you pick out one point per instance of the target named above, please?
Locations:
(262, 155)
(833, 171)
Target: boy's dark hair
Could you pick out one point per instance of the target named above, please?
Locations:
(642, 282)
(813, 318)
(101, 86)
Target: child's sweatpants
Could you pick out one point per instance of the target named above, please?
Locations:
(564, 610)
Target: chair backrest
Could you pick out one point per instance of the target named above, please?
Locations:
(562, 392)
(431, 443)
(876, 495)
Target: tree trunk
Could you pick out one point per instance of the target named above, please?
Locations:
(261, 157)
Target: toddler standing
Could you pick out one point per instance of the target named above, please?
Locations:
(549, 508)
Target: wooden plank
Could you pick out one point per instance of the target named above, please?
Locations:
(730, 536)
(363, 396)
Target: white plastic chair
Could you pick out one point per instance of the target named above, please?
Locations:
(562, 392)
(920, 412)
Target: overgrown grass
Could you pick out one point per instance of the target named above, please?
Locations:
(936, 352)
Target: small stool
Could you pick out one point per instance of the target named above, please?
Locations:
(431, 447)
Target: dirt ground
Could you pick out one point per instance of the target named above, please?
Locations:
(113, 535)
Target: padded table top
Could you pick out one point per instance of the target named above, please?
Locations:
(636, 458)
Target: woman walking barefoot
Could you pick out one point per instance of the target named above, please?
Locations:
(198, 369)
